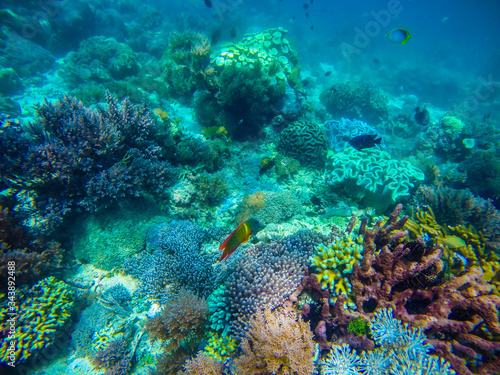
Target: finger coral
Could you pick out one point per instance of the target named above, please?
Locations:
(278, 342)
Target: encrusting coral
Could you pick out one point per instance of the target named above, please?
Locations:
(277, 342)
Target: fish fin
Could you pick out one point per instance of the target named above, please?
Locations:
(225, 255)
(377, 141)
(223, 245)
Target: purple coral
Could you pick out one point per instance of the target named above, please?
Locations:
(90, 158)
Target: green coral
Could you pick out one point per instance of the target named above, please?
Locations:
(269, 48)
(306, 142)
(99, 59)
(219, 311)
(359, 326)
(219, 346)
(452, 126)
(334, 264)
(372, 174)
(44, 310)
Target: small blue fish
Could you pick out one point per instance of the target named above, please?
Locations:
(399, 36)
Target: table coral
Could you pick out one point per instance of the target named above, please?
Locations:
(371, 175)
(44, 309)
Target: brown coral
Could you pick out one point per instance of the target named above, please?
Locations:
(202, 365)
(183, 319)
(278, 342)
(250, 204)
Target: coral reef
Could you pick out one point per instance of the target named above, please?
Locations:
(33, 256)
(99, 59)
(181, 324)
(202, 365)
(220, 347)
(38, 316)
(333, 265)
(80, 157)
(93, 319)
(304, 141)
(356, 100)
(372, 176)
(173, 255)
(461, 207)
(183, 61)
(277, 342)
(250, 84)
(340, 132)
(219, 311)
(263, 276)
(459, 316)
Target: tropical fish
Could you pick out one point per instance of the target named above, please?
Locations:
(365, 141)
(400, 36)
(453, 242)
(266, 164)
(208, 3)
(328, 73)
(422, 116)
(240, 235)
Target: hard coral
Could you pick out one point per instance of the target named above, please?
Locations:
(87, 158)
(304, 141)
(355, 100)
(278, 342)
(40, 314)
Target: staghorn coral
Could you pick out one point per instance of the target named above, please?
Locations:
(40, 314)
(355, 100)
(87, 158)
(278, 342)
(304, 141)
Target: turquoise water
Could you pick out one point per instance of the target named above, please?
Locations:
(241, 187)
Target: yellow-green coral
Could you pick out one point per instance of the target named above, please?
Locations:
(220, 347)
(463, 246)
(102, 338)
(44, 309)
(270, 48)
(452, 126)
(334, 263)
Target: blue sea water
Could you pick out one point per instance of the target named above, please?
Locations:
(137, 136)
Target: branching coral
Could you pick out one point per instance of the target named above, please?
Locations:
(333, 264)
(32, 324)
(87, 158)
(202, 365)
(278, 342)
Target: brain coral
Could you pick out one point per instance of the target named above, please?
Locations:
(304, 141)
(44, 310)
(372, 171)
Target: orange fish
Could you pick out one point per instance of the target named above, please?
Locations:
(240, 235)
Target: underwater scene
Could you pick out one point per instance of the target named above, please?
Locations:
(249, 187)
